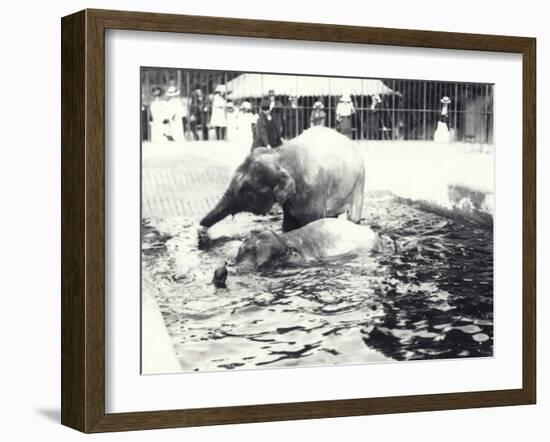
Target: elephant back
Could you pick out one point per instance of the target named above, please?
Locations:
(331, 237)
(323, 153)
(327, 144)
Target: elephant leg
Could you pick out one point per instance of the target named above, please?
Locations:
(356, 210)
(290, 222)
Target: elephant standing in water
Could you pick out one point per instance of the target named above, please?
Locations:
(318, 174)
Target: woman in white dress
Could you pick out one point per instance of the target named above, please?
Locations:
(442, 133)
(344, 112)
(246, 121)
(218, 119)
(157, 107)
(174, 113)
(231, 119)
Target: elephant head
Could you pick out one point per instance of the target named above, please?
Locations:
(267, 250)
(264, 250)
(257, 183)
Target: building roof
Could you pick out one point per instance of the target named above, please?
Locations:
(258, 85)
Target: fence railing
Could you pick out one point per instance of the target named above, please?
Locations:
(384, 109)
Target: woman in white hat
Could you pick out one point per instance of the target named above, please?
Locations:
(230, 118)
(175, 112)
(344, 112)
(318, 115)
(442, 133)
(218, 119)
(445, 101)
(374, 126)
(157, 108)
(294, 118)
(246, 121)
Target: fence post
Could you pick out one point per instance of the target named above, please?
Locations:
(424, 113)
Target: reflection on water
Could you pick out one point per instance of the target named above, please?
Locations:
(428, 295)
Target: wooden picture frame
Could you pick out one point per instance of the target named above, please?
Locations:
(83, 220)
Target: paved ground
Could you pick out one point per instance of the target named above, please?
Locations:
(186, 179)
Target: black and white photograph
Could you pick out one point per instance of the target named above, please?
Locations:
(304, 220)
(260, 222)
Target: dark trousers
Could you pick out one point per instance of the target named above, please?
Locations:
(185, 124)
(344, 126)
(220, 133)
(199, 121)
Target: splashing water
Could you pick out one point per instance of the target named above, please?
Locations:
(429, 296)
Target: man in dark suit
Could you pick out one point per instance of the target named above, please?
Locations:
(199, 113)
(267, 133)
(276, 111)
(293, 119)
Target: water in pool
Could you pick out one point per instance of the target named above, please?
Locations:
(427, 295)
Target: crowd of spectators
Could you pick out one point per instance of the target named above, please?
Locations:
(171, 116)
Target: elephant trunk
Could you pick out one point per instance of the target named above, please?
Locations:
(219, 212)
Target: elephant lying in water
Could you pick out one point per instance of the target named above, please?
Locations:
(318, 174)
(319, 240)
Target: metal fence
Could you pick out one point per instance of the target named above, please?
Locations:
(384, 109)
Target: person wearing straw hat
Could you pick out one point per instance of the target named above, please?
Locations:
(230, 118)
(246, 122)
(174, 113)
(293, 118)
(445, 101)
(267, 133)
(318, 115)
(276, 110)
(199, 113)
(218, 119)
(442, 133)
(157, 108)
(344, 112)
(374, 127)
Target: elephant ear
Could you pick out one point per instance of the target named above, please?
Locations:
(285, 188)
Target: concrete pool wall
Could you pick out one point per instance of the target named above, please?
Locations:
(451, 178)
